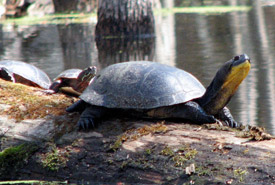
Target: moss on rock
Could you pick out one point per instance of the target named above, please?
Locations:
(15, 157)
(25, 102)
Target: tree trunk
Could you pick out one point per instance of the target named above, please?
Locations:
(64, 5)
(125, 18)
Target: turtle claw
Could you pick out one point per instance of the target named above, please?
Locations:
(85, 124)
(231, 123)
(219, 122)
(48, 91)
(227, 119)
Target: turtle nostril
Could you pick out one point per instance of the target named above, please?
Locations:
(236, 58)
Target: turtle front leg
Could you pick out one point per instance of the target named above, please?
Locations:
(225, 116)
(54, 88)
(194, 112)
(78, 106)
(88, 116)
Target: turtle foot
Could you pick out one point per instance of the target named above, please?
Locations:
(231, 123)
(85, 123)
(48, 91)
(88, 117)
(78, 106)
(228, 120)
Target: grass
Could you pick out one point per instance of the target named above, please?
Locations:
(50, 19)
(34, 182)
(205, 9)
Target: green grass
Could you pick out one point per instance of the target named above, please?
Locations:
(50, 19)
(205, 9)
(34, 182)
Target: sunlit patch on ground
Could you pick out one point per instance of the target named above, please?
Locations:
(23, 102)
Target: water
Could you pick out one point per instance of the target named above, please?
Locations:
(196, 43)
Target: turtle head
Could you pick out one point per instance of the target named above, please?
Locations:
(87, 74)
(225, 83)
(85, 77)
(6, 74)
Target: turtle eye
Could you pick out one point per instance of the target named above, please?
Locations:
(236, 58)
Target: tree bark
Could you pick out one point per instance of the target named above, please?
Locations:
(125, 18)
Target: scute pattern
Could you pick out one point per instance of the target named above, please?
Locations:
(69, 73)
(142, 85)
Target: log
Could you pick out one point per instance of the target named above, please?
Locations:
(123, 150)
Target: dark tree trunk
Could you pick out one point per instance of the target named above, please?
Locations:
(65, 5)
(123, 18)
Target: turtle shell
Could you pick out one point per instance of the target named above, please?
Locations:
(28, 72)
(69, 74)
(142, 85)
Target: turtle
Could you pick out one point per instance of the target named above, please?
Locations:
(72, 81)
(154, 90)
(22, 72)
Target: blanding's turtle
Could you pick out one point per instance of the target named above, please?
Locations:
(159, 91)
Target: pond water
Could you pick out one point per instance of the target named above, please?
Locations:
(197, 43)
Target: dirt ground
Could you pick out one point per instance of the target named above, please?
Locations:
(131, 151)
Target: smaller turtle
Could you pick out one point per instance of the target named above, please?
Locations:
(22, 72)
(73, 81)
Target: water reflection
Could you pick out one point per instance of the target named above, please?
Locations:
(112, 51)
(197, 43)
(78, 45)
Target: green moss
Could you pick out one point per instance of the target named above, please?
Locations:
(179, 155)
(240, 174)
(124, 164)
(204, 171)
(148, 151)
(190, 154)
(54, 159)
(15, 157)
(179, 160)
(184, 154)
(167, 151)
(119, 142)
